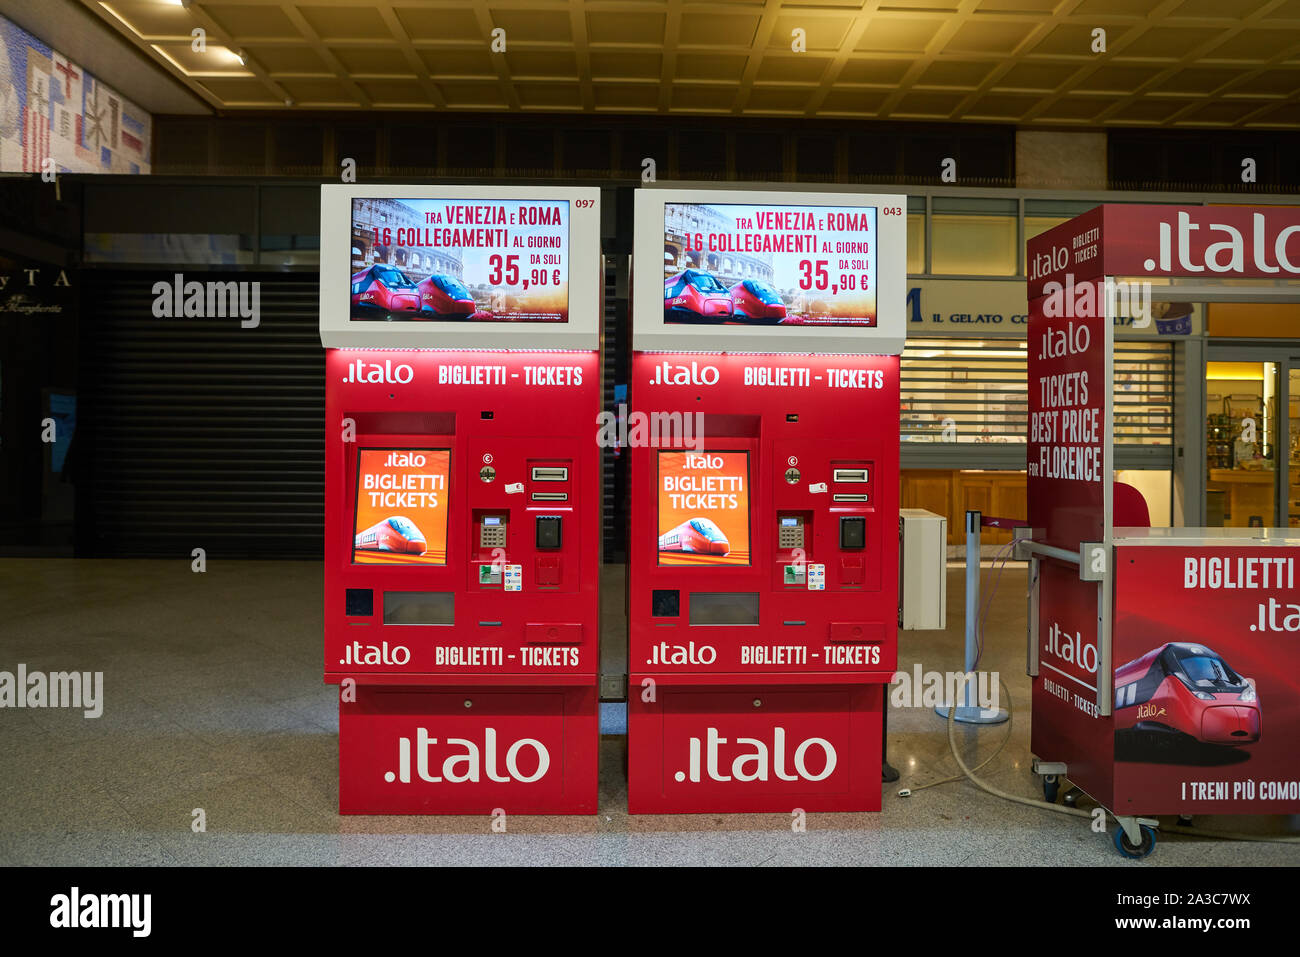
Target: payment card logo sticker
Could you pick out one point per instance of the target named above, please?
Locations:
(816, 577)
(401, 508)
(704, 508)
(514, 580)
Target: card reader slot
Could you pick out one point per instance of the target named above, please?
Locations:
(550, 496)
(550, 473)
(845, 497)
(852, 475)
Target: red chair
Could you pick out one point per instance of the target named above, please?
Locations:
(1130, 509)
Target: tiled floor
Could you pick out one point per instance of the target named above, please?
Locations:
(213, 700)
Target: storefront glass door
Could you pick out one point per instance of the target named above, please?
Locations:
(1246, 466)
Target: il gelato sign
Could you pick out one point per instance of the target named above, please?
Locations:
(998, 308)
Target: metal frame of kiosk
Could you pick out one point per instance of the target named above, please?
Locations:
(763, 562)
(1163, 666)
(462, 495)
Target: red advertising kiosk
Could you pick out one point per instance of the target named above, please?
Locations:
(1165, 661)
(763, 585)
(462, 495)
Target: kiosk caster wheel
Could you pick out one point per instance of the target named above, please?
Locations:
(1051, 788)
(1071, 797)
(1139, 851)
(1185, 820)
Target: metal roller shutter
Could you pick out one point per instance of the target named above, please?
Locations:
(614, 465)
(965, 404)
(199, 433)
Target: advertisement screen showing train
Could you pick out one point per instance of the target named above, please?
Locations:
(401, 508)
(729, 264)
(459, 260)
(704, 508)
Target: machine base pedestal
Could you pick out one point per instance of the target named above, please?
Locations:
(468, 750)
(754, 748)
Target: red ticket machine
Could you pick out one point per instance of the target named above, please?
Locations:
(462, 496)
(763, 573)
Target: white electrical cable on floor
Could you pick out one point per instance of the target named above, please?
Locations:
(969, 772)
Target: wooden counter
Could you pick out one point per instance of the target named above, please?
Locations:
(1249, 494)
(951, 493)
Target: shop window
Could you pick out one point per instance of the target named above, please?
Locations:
(169, 248)
(1043, 214)
(973, 392)
(1144, 393)
(915, 235)
(964, 391)
(974, 237)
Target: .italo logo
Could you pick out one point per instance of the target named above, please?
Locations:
(657, 430)
(687, 654)
(58, 689)
(1234, 246)
(668, 373)
(76, 910)
(464, 760)
(759, 760)
(360, 370)
(1071, 648)
(358, 654)
(208, 300)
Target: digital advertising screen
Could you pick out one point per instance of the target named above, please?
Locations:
(703, 508)
(751, 265)
(401, 510)
(460, 260)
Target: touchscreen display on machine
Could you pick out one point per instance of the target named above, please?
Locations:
(703, 508)
(460, 260)
(401, 508)
(729, 264)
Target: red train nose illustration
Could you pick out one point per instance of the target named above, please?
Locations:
(394, 534)
(699, 536)
(1230, 724)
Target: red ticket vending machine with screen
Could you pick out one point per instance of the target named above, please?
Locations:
(763, 574)
(462, 495)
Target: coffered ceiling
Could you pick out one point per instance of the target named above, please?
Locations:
(1176, 63)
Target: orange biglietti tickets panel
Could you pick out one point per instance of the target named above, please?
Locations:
(401, 507)
(703, 508)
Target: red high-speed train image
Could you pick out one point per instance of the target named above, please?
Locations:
(1187, 689)
(381, 291)
(757, 301)
(445, 297)
(693, 295)
(395, 534)
(698, 536)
